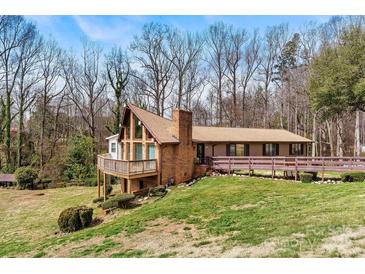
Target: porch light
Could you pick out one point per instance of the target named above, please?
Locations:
(139, 123)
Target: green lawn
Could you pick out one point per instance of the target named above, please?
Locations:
(219, 216)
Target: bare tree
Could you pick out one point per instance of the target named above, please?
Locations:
(15, 31)
(87, 87)
(118, 71)
(155, 67)
(51, 87)
(28, 78)
(251, 62)
(184, 50)
(275, 40)
(216, 38)
(234, 48)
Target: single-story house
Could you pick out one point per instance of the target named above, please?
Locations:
(151, 150)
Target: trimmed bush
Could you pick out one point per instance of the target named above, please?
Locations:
(26, 177)
(86, 216)
(98, 200)
(306, 177)
(75, 218)
(69, 220)
(119, 201)
(353, 176)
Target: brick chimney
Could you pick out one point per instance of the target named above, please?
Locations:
(182, 126)
(184, 152)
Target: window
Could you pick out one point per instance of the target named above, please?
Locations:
(127, 152)
(128, 127)
(137, 128)
(141, 185)
(151, 152)
(200, 153)
(238, 150)
(232, 150)
(138, 151)
(270, 149)
(113, 147)
(296, 149)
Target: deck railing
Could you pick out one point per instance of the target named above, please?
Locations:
(313, 164)
(126, 168)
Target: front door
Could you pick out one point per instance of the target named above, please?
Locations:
(200, 153)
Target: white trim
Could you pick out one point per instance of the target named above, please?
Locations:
(112, 137)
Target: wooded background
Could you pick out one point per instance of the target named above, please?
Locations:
(310, 82)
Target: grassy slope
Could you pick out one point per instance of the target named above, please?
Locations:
(246, 211)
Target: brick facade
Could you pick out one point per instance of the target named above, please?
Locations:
(178, 159)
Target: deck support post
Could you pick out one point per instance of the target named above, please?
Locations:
(104, 186)
(296, 169)
(98, 178)
(129, 183)
(229, 166)
(121, 180)
(272, 168)
(249, 166)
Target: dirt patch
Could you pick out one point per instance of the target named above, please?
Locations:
(238, 207)
(350, 243)
(162, 236)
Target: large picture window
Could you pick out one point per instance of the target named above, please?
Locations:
(138, 151)
(238, 150)
(270, 149)
(128, 127)
(151, 152)
(137, 128)
(296, 149)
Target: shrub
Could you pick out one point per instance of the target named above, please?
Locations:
(86, 216)
(119, 201)
(306, 177)
(75, 218)
(98, 200)
(25, 177)
(353, 176)
(158, 191)
(93, 181)
(69, 220)
(79, 159)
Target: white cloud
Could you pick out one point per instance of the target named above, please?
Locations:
(111, 29)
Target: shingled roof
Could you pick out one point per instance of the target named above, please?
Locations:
(161, 130)
(159, 127)
(229, 134)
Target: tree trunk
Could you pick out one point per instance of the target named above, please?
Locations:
(357, 148)
(20, 135)
(339, 147)
(314, 136)
(330, 137)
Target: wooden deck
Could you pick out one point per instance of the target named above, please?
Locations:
(294, 164)
(127, 169)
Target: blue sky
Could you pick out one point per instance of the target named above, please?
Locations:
(120, 30)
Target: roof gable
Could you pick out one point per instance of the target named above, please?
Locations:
(159, 127)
